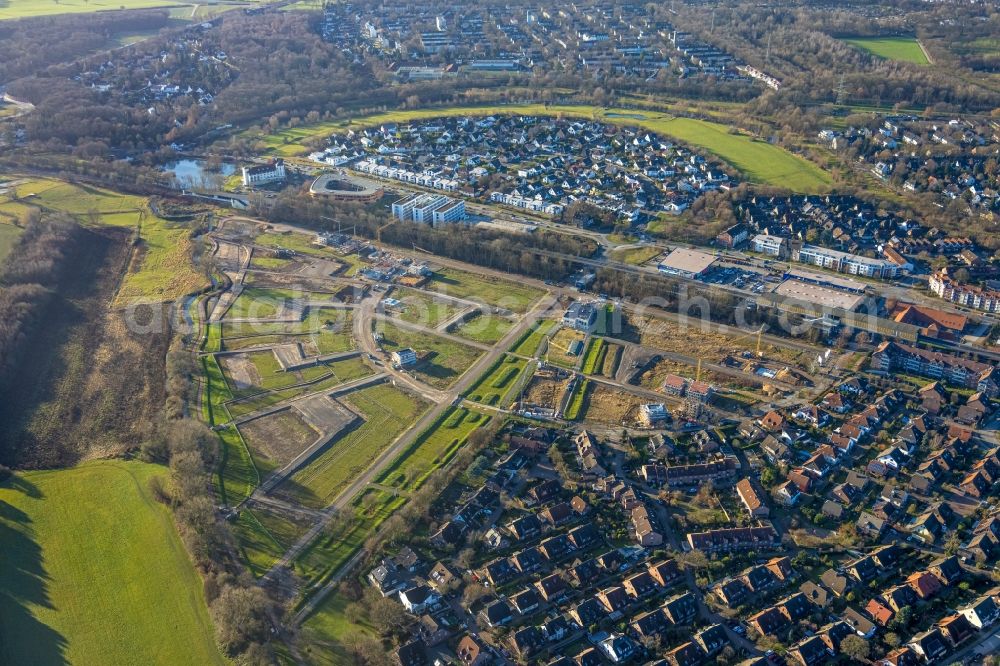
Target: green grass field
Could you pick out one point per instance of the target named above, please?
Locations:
(92, 572)
(433, 449)
(488, 329)
(161, 269)
(422, 307)
(484, 289)
(759, 161)
(445, 360)
(263, 536)
(498, 382)
(532, 340)
(575, 405)
(388, 412)
(11, 9)
(903, 49)
(593, 359)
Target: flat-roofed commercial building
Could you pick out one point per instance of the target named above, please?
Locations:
(686, 263)
(820, 295)
(845, 262)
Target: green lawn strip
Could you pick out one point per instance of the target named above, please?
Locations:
(93, 572)
(342, 538)
(329, 627)
(497, 381)
(237, 475)
(487, 329)
(576, 401)
(443, 360)
(485, 289)
(635, 256)
(903, 49)
(213, 338)
(433, 449)
(261, 302)
(263, 536)
(758, 160)
(387, 412)
(528, 345)
(593, 360)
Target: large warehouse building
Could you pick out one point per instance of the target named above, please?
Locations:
(686, 263)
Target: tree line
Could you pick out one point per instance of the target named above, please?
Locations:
(29, 277)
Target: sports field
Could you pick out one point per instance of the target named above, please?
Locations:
(903, 49)
(759, 161)
(92, 572)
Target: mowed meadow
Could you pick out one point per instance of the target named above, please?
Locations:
(92, 572)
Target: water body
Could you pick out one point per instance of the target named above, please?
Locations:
(197, 173)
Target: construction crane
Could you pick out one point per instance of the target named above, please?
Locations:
(378, 232)
(760, 335)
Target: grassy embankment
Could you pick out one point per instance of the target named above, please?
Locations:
(93, 572)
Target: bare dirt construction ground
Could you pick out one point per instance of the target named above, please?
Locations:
(70, 400)
(289, 355)
(241, 371)
(692, 341)
(545, 390)
(652, 378)
(229, 254)
(279, 437)
(325, 414)
(605, 404)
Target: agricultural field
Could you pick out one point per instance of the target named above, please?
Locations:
(487, 329)
(387, 412)
(433, 449)
(441, 361)
(532, 340)
(903, 49)
(497, 292)
(495, 388)
(89, 547)
(758, 160)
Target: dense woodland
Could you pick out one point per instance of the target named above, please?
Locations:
(31, 45)
(799, 46)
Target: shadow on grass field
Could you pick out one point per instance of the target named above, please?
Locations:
(92, 571)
